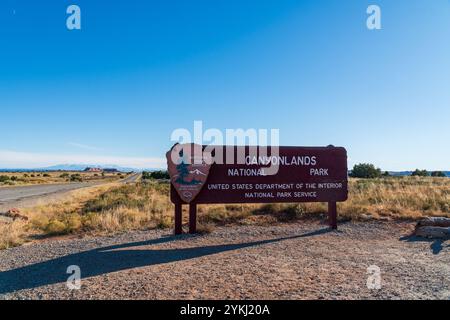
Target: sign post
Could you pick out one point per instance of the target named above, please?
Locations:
(192, 218)
(178, 218)
(332, 215)
(303, 174)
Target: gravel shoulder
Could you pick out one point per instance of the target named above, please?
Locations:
(302, 260)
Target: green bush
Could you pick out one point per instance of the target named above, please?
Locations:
(419, 173)
(158, 175)
(64, 175)
(46, 175)
(365, 170)
(76, 177)
(4, 178)
(438, 174)
(146, 175)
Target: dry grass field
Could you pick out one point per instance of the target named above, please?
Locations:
(114, 208)
(8, 179)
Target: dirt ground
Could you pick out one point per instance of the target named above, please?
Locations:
(302, 260)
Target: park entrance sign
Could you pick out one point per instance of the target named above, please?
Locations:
(281, 174)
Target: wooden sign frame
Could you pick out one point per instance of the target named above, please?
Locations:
(323, 166)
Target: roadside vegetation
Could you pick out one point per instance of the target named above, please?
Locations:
(118, 208)
(155, 175)
(8, 179)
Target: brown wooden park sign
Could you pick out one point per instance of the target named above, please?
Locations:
(303, 174)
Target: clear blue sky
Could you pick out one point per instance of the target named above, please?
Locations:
(115, 90)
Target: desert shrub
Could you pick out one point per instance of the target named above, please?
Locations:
(14, 178)
(4, 178)
(163, 222)
(365, 170)
(46, 175)
(55, 227)
(59, 224)
(234, 207)
(438, 174)
(161, 188)
(419, 173)
(39, 222)
(113, 200)
(76, 177)
(146, 175)
(64, 175)
(220, 215)
(11, 234)
(73, 222)
(158, 175)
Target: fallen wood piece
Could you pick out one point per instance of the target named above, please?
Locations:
(13, 211)
(433, 232)
(14, 214)
(435, 222)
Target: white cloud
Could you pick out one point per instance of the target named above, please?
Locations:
(19, 160)
(83, 146)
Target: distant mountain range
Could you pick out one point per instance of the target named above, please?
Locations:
(78, 167)
(81, 167)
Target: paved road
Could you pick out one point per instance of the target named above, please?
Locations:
(132, 178)
(18, 193)
(27, 195)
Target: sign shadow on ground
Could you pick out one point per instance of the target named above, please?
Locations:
(116, 258)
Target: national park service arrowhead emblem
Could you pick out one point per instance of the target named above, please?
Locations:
(188, 168)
